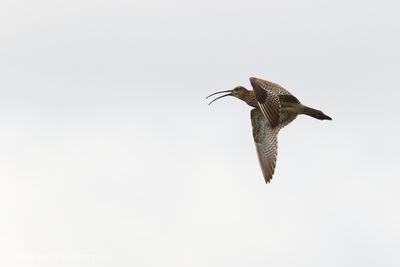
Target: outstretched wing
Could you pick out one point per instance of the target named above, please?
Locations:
(267, 95)
(266, 141)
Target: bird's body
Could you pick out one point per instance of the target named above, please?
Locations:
(273, 108)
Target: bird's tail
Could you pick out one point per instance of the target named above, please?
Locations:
(318, 114)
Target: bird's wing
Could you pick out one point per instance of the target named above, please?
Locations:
(266, 140)
(267, 95)
(269, 86)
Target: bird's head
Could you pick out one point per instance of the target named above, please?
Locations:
(238, 91)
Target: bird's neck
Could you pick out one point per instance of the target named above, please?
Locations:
(250, 98)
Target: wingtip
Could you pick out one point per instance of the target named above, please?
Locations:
(268, 178)
(253, 80)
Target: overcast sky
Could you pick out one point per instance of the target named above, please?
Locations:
(110, 155)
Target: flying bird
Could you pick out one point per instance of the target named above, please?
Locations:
(273, 108)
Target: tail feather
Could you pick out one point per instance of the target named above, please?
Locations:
(315, 113)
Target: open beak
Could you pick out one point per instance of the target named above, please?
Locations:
(227, 91)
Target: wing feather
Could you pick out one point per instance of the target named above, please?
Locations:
(266, 141)
(269, 96)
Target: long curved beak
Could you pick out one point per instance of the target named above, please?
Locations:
(227, 91)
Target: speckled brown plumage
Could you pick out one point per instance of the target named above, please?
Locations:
(274, 108)
(266, 141)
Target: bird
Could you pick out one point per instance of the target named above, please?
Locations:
(273, 108)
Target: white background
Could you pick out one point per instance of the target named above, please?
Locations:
(110, 155)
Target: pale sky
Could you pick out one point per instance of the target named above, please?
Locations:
(110, 155)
